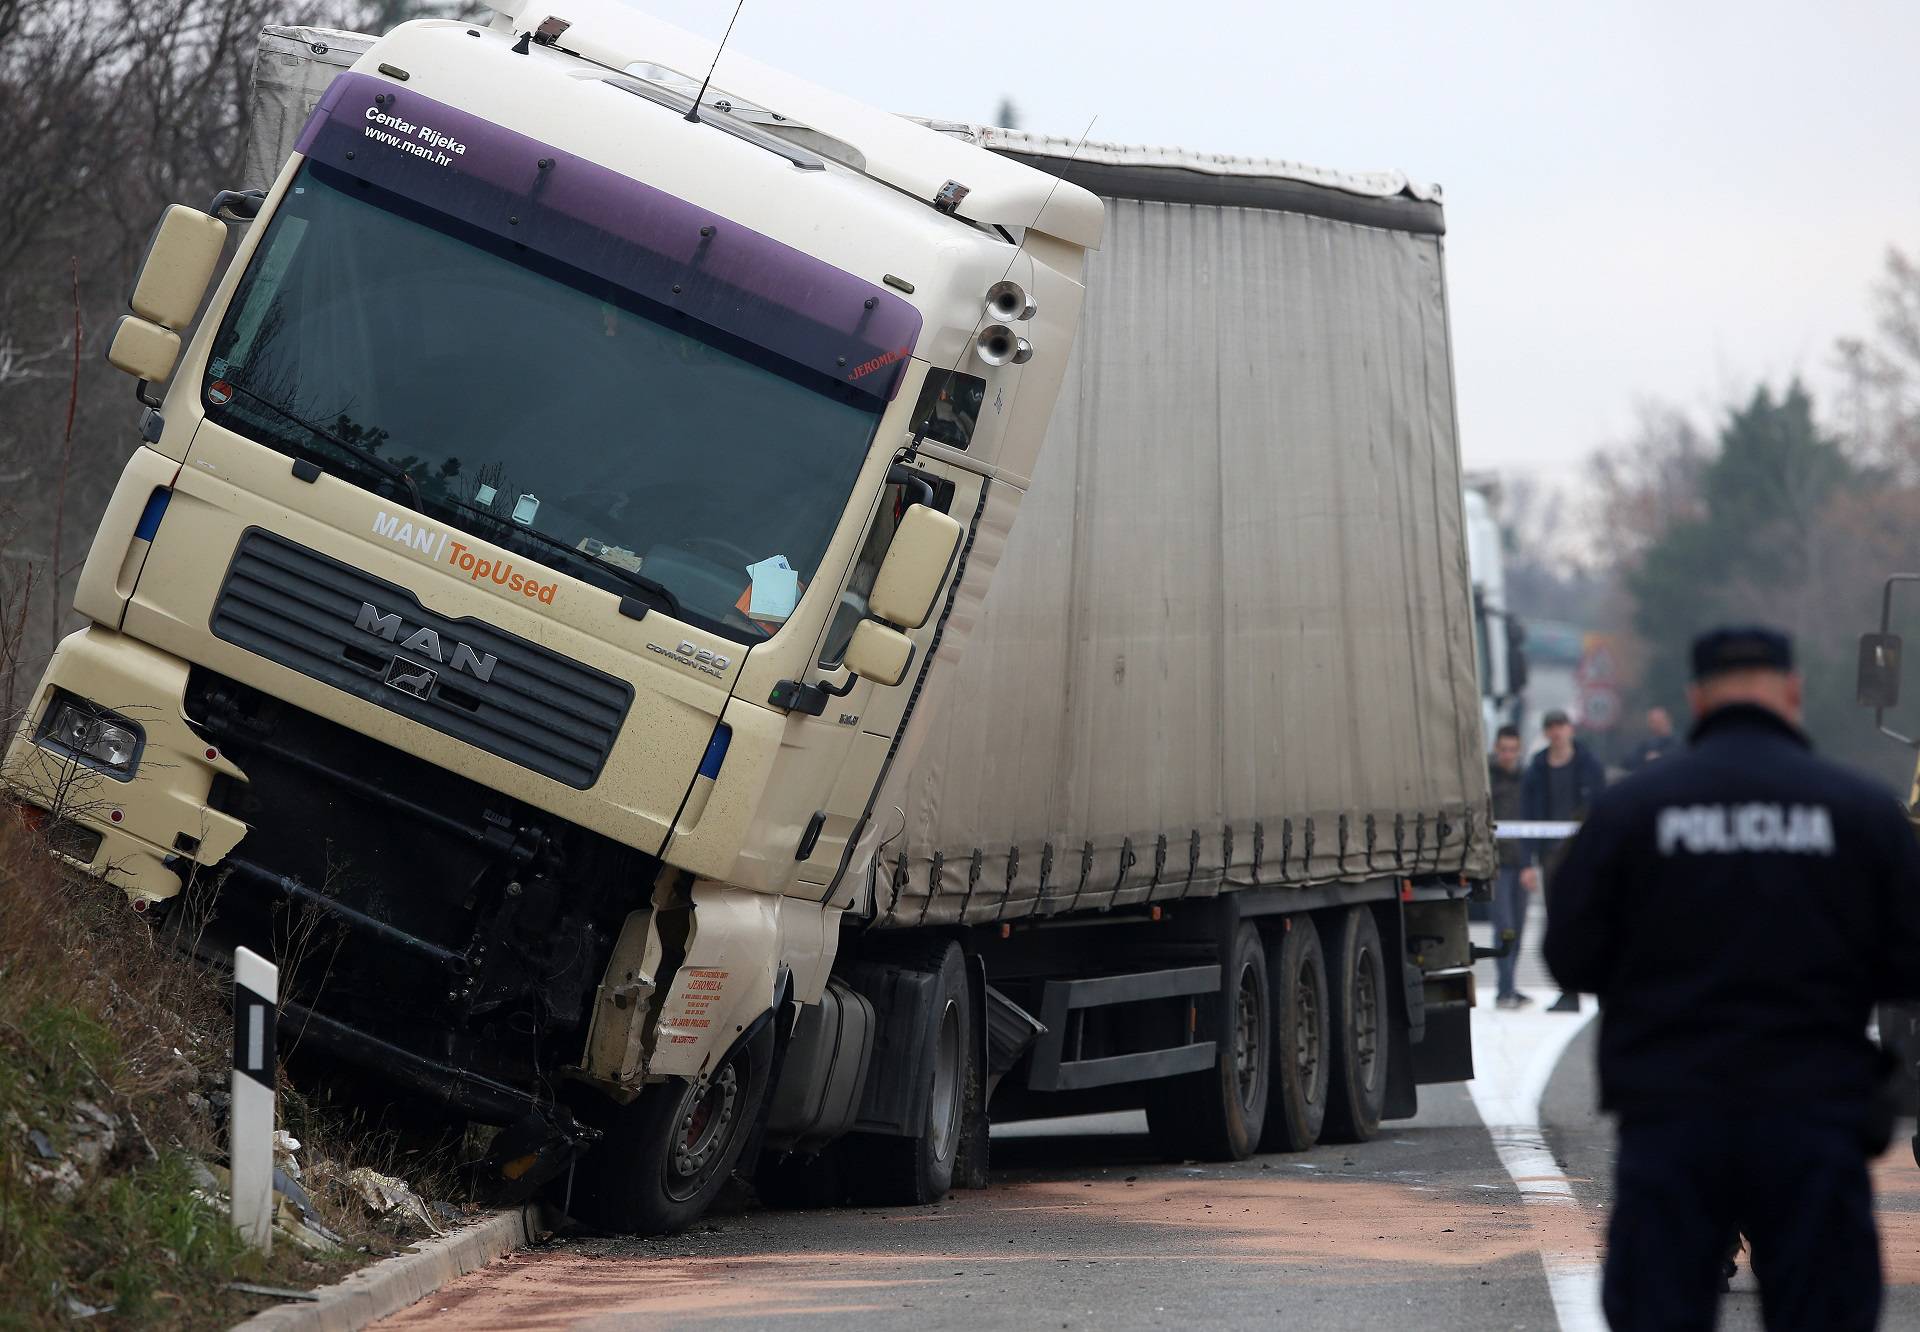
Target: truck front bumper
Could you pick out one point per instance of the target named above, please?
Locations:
(156, 820)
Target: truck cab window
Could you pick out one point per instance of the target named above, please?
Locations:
(909, 486)
(631, 441)
(949, 407)
(853, 601)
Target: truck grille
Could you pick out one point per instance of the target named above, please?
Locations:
(372, 639)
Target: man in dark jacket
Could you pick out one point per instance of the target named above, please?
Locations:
(1509, 893)
(1739, 908)
(1560, 784)
(1660, 741)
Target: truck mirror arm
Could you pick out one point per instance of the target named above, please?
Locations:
(237, 205)
(809, 698)
(902, 475)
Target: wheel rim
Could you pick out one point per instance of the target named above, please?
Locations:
(1306, 1030)
(1366, 1018)
(708, 1116)
(943, 1108)
(1249, 1032)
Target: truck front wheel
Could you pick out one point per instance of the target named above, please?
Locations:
(1357, 1006)
(1217, 1114)
(665, 1156)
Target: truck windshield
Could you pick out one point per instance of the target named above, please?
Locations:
(517, 392)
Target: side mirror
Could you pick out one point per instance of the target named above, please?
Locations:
(878, 653)
(1878, 685)
(174, 276)
(917, 562)
(179, 265)
(145, 351)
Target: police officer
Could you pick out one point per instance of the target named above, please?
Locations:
(1738, 909)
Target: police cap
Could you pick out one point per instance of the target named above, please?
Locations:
(1747, 647)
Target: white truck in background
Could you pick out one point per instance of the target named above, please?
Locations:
(560, 581)
(1499, 638)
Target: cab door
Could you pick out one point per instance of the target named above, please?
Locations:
(872, 713)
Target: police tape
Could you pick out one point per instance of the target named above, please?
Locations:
(1533, 830)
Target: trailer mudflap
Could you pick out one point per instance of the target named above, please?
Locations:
(1445, 1054)
(1009, 1031)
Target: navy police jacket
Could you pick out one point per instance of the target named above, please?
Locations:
(1738, 909)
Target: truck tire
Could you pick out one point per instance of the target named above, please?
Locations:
(1358, 1016)
(1297, 1088)
(895, 1171)
(1218, 1113)
(665, 1156)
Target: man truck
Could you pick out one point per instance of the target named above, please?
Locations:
(1498, 634)
(567, 604)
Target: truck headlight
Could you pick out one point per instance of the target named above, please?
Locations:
(100, 739)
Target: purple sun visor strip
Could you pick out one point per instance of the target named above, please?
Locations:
(666, 249)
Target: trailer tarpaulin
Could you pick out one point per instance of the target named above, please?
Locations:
(1230, 641)
(292, 68)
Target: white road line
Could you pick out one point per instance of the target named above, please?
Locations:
(1514, 1054)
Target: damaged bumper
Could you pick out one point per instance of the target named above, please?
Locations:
(479, 953)
(137, 833)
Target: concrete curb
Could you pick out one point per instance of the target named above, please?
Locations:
(390, 1285)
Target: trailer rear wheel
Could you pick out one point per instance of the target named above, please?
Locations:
(1357, 1005)
(892, 1170)
(1297, 1099)
(1217, 1114)
(664, 1157)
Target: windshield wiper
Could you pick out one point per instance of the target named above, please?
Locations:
(659, 592)
(655, 590)
(388, 469)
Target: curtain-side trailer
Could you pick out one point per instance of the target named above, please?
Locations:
(1204, 794)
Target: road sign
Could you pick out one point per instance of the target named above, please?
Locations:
(1599, 707)
(1597, 663)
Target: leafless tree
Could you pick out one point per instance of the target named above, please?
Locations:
(1880, 406)
(1643, 485)
(109, 110)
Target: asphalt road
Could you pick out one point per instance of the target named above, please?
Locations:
(1441, 1222)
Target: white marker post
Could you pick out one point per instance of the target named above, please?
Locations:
(256, 1004)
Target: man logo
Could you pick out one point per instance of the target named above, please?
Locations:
(410, 677)
(455, 655)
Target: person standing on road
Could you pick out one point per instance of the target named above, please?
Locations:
(1509, 894)
(1660, 743)
(1738, 909)
(1560, 784)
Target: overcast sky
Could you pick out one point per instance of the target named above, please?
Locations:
(1644, 200)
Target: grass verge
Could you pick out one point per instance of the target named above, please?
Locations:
(114, 1059)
